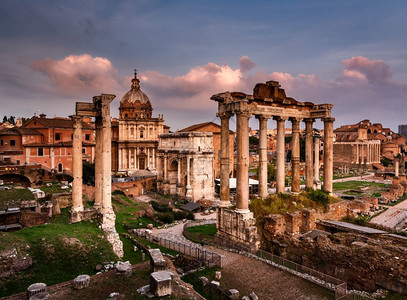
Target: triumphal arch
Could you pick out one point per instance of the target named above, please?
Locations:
(268, 101)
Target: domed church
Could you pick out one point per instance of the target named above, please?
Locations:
(137, 134)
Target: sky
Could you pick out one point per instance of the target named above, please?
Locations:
(352, 54)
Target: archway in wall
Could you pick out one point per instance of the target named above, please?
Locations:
(60, 168)
(16, 178)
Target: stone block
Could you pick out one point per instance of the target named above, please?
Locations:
(81, 282)
(245, 298)
(36, 288)
(157, 262)
(161, 283)
(233, 294)
(215, 283)
(253, 296)
(40, 296)
(218, 275)
(204, 281)
(123, 268)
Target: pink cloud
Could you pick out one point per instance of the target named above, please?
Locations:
(246, 64)
(76, 74)
(362, 68)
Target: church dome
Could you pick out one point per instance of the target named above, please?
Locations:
(135, 94)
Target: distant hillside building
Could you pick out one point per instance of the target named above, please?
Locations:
(365, 143)
(215, 130)
(46, 141)
(135, 134)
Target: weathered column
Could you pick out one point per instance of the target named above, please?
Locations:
(98, 163)
(262, 156)
(280, 185)
(148, 158)
(179, 172)
(165, 166)
(308, 153)
(316, 162)
(77, 202)
(242, 180)
(224, 161)
(188, 193)
(396, 167)
(328, 153)
(295, 155)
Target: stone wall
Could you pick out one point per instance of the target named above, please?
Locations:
(30, 219)
(364, 263)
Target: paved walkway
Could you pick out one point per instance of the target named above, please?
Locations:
(395, 217)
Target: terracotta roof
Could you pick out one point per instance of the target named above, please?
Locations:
(197, 126)
(59, 122)
(19, 131)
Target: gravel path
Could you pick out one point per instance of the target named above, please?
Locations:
(248, 275)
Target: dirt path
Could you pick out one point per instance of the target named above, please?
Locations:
(248, 275)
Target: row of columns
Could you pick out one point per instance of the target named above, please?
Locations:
(126, 155)
(133, 131)
(103, 180)
(366, 153)
(242, 189)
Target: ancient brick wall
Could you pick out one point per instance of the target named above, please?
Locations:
(30, 219)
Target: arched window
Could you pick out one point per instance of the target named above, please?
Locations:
(60, 168)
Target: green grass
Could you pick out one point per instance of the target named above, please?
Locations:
(15, 195)
(355, 184)
(60, 252)
(194, 280)
(201, 233)
(54, 188)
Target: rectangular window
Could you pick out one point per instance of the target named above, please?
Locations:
(1, 142)
(141, 134)
(83, 150)
(12, 143)
(87, 137)
(40, 151)
(71, 136)
(57, 136)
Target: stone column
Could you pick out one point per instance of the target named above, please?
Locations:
(328, 153)
(242, 180)
(280, 186)
(295, 155)
(316, 162)
(98, 163)
(263, 156)
(396, 167)
(77, 202)
(224, 161)
(106, 165)
(148, 158)
(308, 153)
(188, 192)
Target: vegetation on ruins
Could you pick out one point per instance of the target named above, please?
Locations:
(60, 252)
(283, 203)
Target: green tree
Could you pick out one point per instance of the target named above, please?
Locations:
(88, 173)
(5, 119)
(271, 172)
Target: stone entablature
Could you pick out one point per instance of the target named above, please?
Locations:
(185, 165)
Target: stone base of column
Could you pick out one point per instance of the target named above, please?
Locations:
(166, 187)
(237, 230)
(75, 216)
(188, 193)
(108, 221)
(117, 245)
(223, 203)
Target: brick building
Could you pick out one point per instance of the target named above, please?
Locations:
(45, 141)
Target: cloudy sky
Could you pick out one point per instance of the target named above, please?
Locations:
(349, 53)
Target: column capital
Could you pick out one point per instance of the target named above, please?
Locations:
(262, 117)
(224, 115)
(308, 120)
(295, 119)
(244, 113)
(328, 120)
(278, 118)
(77, 121)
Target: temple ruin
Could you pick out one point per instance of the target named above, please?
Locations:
(100, 110)
(268, 101)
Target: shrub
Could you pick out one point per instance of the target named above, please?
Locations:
(191, 216)
(166, 217)
(160, 207)
(179, 215)
(118, 192)
(319, 196)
